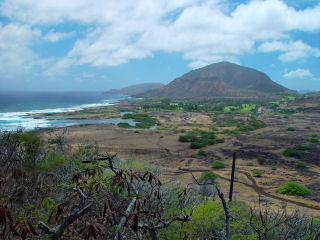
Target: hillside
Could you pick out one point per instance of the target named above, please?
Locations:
(136, 89)
(220, 79)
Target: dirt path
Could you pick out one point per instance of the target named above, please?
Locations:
(254, 186)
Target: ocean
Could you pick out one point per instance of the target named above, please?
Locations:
(16, 107)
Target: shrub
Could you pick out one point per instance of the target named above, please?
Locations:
(202, 153)
(197, 145)
(53, 160)
(208, 176)
(257, 173)
(124, 125)
(228, 131)
(301, 147)
(32, 148)
(312, 134)
(143, 125)
(200, 138)
(219, 140)
(313, 140)
(291, 153)
(261, 160)
(214, 128)
(251, 125)
(218, 164)
(308, 127)
(245, 127)
(188, 138)
(293, 188)
(301, 164)
(143, 120)
(274, 167)
(291, 129)
(250, 164)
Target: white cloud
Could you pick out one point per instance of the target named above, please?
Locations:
(16, 56)
(292, 50)
(53, 36)
(203, 31)
(299, 73)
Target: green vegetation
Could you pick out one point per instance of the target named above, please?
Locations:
(233, 132)
(49, 197)
(251, 125)
(301, 164)
(274, 167)
(250, 164)
(313, 140)
(243, 108)
(257, 173)
(124, 125)
(208, 176)
(261, 160)
(312, 134)
(53, 160)
(218, 164)
(200, 138)
(301, 147)
(293, 188)
(291, 129)
(142, 120)
(32, 148)
(241, 125)
(291, 153)
(202, 152)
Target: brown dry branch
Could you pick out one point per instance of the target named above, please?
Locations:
(82, 208)
(145, 207)
(224, 204)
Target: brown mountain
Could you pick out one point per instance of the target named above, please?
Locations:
(222, 79)
(136, 89)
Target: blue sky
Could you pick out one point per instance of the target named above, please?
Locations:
(83, 45)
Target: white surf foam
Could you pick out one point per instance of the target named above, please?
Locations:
(11, 121)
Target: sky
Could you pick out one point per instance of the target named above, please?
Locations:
(96, 45)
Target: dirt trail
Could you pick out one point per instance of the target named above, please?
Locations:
(254, 186)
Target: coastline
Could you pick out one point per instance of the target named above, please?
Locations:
(61, 116)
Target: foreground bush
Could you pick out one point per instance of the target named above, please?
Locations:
(293, 188)
(84, 195)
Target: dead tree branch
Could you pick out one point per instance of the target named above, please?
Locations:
(224, 204)
(316, 237)
(82, 208)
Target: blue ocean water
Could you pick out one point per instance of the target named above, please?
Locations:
(16, 107)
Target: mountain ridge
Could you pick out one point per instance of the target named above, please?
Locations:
(136, 88)
(221, 79)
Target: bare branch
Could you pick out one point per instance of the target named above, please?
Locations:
(56, 232)
(223, 201)
(316, 237)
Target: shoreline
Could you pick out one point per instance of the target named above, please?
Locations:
(53, 118)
